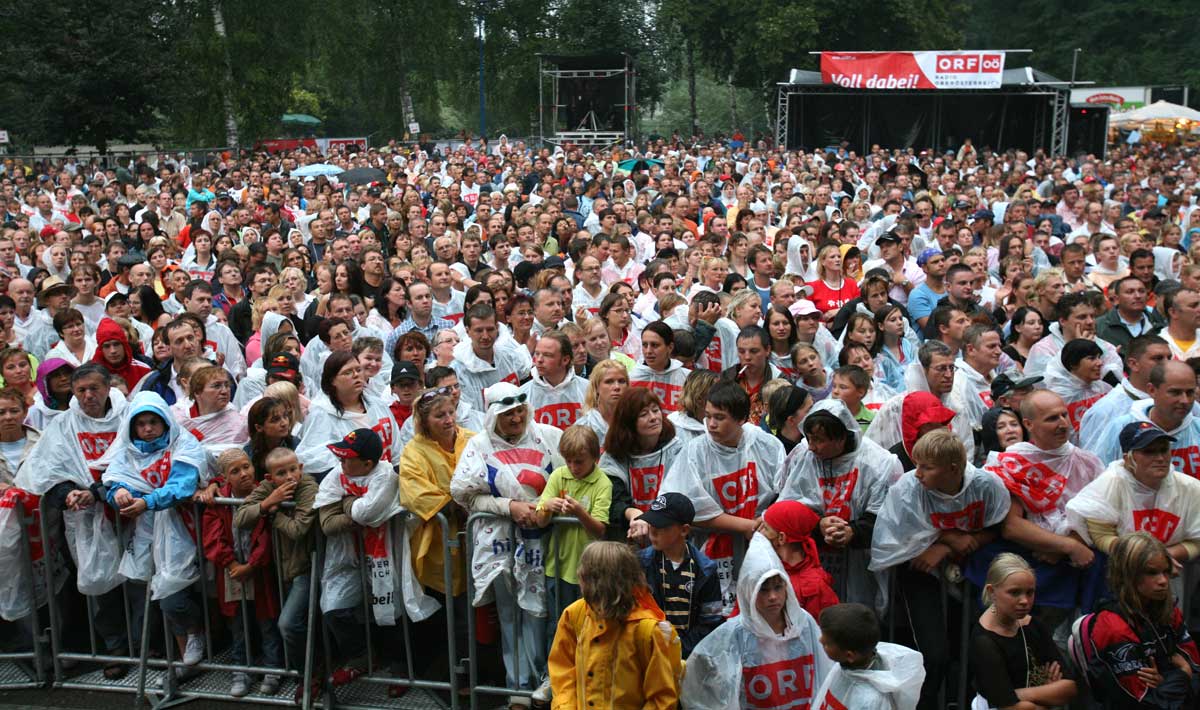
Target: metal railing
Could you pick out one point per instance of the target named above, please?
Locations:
(26, 668)
(155, 677)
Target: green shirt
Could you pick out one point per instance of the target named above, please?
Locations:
(566, 547)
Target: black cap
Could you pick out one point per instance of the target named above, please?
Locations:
(554, 262)
(404, 370)
(1136, 436)
(359, 444)
(983, 214)
(130, 260)
(669, 509)
(1003, 384)
(285, 365)
(374, 191)
(960, 205)
(223, 195)
(890, 236)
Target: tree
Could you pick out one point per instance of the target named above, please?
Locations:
(85, 73)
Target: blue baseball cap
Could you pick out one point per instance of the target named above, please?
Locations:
(1136, 436)
(928, 254)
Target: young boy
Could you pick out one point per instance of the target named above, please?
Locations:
(729, 474)
(851, 384)
(244, 557)
(869, 675)
(406, 385)
(286, 482)
(768, 656)
(581, 490)
(942, 511)
(364, 496)
(684, 582)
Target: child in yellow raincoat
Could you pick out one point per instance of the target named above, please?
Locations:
(614, 648)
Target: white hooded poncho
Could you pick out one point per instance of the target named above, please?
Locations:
(893, 682)
(1049, 349)
(885, 428)
(1045, 480)
(740, 481)
(744, 663)
(1185, 452)
(912, 516)
(847, 487)
(158, 540)
(325, 425)
(70, 450)
(341, 580)
(1077, 394)
(557, 405)
(475, 375)
(643, 473)
(492, 467)
(1171, 514)
(668, 384)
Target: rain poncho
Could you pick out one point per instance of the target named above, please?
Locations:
(1049, 349)
(223, 342)
(217, 431)
(971, 394)
(686, 428)
(21, 595)
(847, 487)
(325, 425)
(1171, 513)
(1185, 452)
(1167, 263)
(491, 467)
(475, 375)
(667, 384)
(643, 473)
(913, 516)
(892, 682)
(885, 428)
(556, 405)
(1077, 394)
(1105, 410)
(69, 451)
(721, 352)
(740, 481)
(1044, 480)
(743, 663)
(384, 547)
(164, 473)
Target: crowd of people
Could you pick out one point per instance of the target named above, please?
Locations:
(786, 399)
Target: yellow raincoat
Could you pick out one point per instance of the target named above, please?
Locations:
(425, 472)
(596, 664)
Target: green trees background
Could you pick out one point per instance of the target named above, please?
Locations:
(216, 72)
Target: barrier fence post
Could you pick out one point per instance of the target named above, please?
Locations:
(448, 544)
(52, 599)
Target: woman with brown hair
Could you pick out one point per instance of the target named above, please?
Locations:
(638, 451)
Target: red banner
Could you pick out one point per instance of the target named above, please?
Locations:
(913, 70)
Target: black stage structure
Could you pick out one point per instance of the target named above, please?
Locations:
(593, 99)
(1030, 110)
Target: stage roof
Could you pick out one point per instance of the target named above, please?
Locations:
(1017, 76)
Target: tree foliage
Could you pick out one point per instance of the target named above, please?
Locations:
(100, 72)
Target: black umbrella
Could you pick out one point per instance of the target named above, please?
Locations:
(362, 176)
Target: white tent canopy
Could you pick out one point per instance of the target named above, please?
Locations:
(1157, 111)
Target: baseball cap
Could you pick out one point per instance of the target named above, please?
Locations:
(404, 370)
(927, 255)
(803, 307)
(374, 191)
(1136, 436)
(983, 214)
(554, 262)
(961, 204)
(361, 443)
(1003, 384)
(223, 195)
(669, 509)
(115, 296)
(503, 397)
(285, 365)
(889, 237)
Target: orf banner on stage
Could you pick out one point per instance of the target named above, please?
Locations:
(913, 70)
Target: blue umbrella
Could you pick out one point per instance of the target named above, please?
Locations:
(635, 164)
(316, 170)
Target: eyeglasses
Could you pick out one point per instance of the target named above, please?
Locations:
(510, 401)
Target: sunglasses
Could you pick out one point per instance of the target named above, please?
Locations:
(428, 395)
(510, 401)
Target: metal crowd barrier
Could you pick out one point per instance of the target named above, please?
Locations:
(371, 689)
(26, 668)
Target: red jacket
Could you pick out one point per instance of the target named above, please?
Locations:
(218, 549)
(1125, 651)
